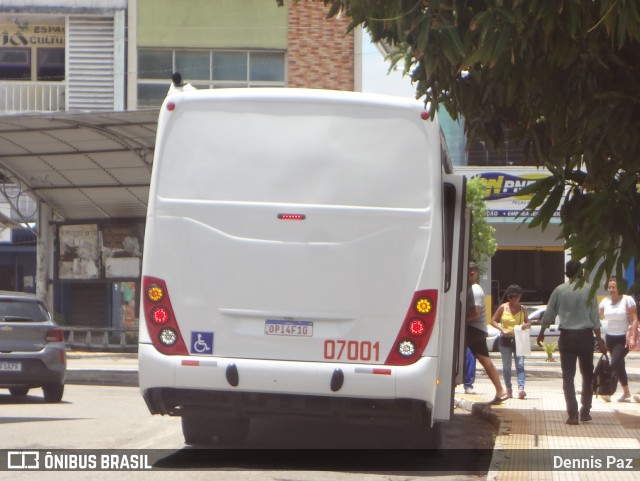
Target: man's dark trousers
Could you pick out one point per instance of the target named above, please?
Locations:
(576, 345)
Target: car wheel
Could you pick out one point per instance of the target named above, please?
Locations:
(53, 392)
(19, 391)
(203, 429)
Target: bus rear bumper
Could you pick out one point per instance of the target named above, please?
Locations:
(177, 385)
(180, 402)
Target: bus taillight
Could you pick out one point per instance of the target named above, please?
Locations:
(416, 329)
(160, 318)
(160, 315)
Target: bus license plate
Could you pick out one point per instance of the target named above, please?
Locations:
(288, 328)
(10, 366)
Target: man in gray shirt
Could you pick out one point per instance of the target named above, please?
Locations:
(578, 322)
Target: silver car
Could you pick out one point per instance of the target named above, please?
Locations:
(551, 335)
(32, 349)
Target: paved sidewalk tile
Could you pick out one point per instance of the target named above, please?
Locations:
(534, 428)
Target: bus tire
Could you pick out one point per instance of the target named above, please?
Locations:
(207, 430)
(429, 437)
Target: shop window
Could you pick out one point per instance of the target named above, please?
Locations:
(152, 95)
(50, 64)
(266, 66)
(230, 66)
(206, 69)
(15, 63)
(194, 65)
(155, 64)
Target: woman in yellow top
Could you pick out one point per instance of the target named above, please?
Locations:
(505, 319)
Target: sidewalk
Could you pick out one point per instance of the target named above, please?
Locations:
(102, 368)
(530, 431)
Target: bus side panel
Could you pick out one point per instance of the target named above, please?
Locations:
(451, 341)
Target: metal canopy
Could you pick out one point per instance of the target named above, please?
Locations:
(85, 166)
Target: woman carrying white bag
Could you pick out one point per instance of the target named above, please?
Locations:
(507, 317)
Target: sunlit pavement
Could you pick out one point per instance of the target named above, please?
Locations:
(533, 441)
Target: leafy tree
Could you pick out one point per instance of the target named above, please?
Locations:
(561, 77)
(483, 242)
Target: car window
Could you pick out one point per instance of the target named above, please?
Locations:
(22, 311)
(531, 310)
(528, 297)
(536, 317)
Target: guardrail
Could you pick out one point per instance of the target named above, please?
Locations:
(101, 338)
(16, 97)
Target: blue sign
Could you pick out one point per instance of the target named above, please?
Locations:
(201, 343)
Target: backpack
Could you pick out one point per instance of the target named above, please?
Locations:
(605, 381)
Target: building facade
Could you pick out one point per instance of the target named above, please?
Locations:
(119, 55)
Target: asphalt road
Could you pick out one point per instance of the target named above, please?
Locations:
(115, 417)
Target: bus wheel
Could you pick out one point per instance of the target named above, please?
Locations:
(234, 430)
(429, 437)
(433, 437)
(206, 429)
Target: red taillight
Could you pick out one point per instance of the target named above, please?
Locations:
(292, 216)
(416, 329)
(55, 335)
(160, 315)
(160, 318)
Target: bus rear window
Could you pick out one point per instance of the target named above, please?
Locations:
(370, 160)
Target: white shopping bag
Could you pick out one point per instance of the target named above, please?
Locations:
(523, 347)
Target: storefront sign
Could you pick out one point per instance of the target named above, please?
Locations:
(24, 32)
(504, 202)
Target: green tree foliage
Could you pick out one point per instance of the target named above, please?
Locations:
(562, 77)
(483, 242)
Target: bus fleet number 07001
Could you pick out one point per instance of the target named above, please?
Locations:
(340, 349)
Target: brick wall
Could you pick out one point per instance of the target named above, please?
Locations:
(320, 55)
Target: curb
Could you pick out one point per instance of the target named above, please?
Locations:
(102, 377)
(481, 410)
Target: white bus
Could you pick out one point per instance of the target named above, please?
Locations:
(304, 254)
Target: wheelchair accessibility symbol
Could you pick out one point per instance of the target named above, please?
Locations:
(201, 343)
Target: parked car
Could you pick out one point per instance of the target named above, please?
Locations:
(551, 335)
(535, 314)
(32, 348)
(528, 297)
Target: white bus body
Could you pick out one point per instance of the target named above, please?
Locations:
(304, 255)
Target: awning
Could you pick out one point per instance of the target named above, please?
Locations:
(85, 166)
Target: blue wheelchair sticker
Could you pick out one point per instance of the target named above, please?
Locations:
(201, 343)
